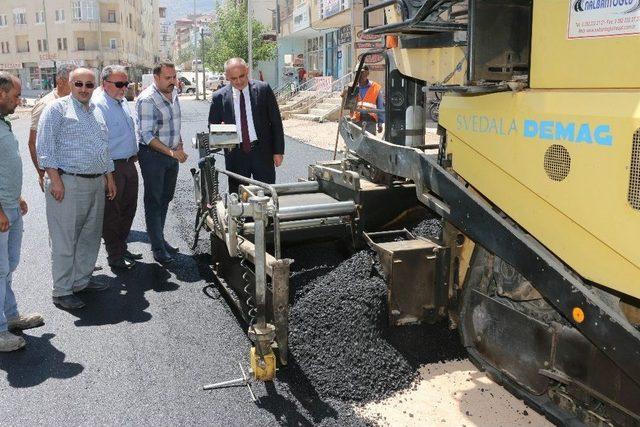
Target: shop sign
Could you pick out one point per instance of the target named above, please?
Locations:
(46, 64)
(344, 34)
(323, 84)
(15, 66)
(372, 59)
(369, 45)
(603, 18)
(48, 56)
(362, 36)
(301, 18)
(76, 62)
(330, 8)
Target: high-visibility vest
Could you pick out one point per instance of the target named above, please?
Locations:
(369, 102)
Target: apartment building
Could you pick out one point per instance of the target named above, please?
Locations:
(186, 33)
(325, 37)
(36, 36)
(165, 36)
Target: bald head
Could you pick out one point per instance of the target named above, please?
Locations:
(82, 82)
(237, 72)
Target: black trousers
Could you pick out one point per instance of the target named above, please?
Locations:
(119, 212)
(257, 164)
(160, 174)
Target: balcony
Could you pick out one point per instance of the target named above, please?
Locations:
(110, 26)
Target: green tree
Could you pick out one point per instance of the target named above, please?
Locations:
(186, 55)
(229, 37)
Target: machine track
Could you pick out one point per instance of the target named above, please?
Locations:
(519, 350)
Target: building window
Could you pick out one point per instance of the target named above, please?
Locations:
(43, 46)
(40, 17)
(5, 47)
(59, 15)
(130, 21)
(3, 20)
(113, 44)
(111, 16)
(19, 17)
(80, 43)
(85, 10)
(62, 43)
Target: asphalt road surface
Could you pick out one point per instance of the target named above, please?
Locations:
(140, 352)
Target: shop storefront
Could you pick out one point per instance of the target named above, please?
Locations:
(339, 52)
(315, 56)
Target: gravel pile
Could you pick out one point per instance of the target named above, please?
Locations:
(428, 228)
(336, 334)
(339, 335)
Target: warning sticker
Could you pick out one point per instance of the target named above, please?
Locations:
(603, 18)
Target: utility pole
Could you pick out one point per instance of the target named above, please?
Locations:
(46, 35)
(250, 37)
(204, 76)
(195, 47)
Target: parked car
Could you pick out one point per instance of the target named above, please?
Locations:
(186, 86)
(216, 82)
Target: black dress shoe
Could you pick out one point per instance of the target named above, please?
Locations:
(131, 256)
(171, 249)
(163, 258)
(70, 302)
(123, 263)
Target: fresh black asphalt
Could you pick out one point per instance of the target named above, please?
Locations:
(140, 352)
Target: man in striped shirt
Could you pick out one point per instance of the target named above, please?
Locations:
(72, 147)
(158, 121)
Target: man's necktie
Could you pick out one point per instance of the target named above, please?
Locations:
(244, 126)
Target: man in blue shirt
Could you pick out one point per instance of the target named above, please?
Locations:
(72, 147)
(119, 212)
(12, 208)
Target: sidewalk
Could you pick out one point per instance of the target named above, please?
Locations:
(323, 135)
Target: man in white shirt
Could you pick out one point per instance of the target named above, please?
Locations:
(252, 106)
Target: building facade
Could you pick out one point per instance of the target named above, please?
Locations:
(264, 11)
(165, 36)
(36, 36)
(325, 38)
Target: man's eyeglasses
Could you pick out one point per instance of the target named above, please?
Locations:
(88, 85)
(119, 85)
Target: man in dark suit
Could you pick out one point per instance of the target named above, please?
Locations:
(252, 106)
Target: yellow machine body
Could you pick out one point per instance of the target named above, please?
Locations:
(498, 144)
(581, 115)
(263, 371)
(562, 57)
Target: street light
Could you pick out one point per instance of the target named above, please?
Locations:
(250, 36)
(204, 76)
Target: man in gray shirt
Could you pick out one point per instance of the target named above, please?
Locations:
(72, 147)
(12, 207)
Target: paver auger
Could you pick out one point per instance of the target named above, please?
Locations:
(536, 179)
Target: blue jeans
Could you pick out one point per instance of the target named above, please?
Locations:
(160, 174)
(10, 243)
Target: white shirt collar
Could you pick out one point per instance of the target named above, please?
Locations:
(245, 90)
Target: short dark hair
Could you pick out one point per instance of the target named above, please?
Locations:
(158, 68)
(365, 68)
(6, 81)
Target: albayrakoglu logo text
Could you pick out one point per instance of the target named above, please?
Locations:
(620, 6)
(550, 130)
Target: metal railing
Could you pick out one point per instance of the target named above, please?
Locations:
(336, 86)
(309, 85)
(286, 87)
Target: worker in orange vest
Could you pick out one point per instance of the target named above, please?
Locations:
(369, 97)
